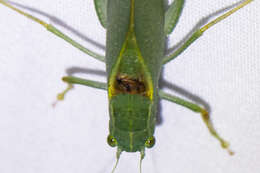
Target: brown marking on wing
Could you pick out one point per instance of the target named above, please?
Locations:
(126, 84)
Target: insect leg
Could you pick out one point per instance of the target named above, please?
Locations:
(172, 16)
(200, 31)
(204, 114)
(101, 10)
(70, 80)
(55, 31)
(80, 81)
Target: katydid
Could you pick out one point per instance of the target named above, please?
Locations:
(136, 33)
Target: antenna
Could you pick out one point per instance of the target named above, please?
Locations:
(141, 159)
(118, 153)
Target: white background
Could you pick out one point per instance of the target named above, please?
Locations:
(222, 68)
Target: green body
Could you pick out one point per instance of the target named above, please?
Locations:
(135, 47)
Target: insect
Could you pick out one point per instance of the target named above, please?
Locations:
(136, 32)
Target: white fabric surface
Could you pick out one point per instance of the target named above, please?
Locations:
(222, 68)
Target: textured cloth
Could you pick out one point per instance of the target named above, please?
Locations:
(220, 70)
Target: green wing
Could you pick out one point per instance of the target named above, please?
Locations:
(172, 16)
(101, 10)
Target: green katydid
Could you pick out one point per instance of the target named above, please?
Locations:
(136, 32)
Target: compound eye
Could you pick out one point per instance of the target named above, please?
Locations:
(149, 143)
(111, 141)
